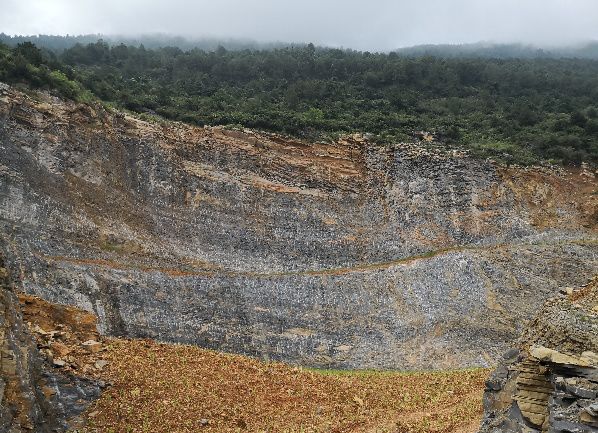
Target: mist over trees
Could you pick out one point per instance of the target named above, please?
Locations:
(588, 50)
(520, 110)
(58, 43)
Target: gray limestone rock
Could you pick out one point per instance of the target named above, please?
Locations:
(344, 254)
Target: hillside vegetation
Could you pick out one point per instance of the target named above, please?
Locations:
(517, 110)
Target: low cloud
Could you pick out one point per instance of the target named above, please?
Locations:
(365, 25)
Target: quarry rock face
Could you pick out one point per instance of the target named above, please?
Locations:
(550, 384)
(344, 254)
(34, 396)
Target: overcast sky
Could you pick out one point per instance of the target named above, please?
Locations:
(359, 24)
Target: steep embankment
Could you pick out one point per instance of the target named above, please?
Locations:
(550, 383)
(345, 254)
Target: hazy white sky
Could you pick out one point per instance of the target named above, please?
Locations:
(360, 24)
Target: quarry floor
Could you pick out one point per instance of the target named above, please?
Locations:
(157, 387)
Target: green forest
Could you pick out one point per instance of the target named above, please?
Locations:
(517, 110)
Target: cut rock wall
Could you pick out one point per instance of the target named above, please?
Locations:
(341, 254)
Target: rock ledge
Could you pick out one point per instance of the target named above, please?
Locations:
(550, 383)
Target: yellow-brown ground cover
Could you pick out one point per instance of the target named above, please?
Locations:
(175, 388)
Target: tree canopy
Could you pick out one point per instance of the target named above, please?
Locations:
(520, 110)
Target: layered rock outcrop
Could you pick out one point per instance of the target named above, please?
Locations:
(34, 396)
(550, 383)
(343, 254)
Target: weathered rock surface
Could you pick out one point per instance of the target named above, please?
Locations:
(550, 384)
(345, 254)
(34, 397)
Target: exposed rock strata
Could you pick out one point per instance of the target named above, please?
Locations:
(551, 383)
(344, 254)
(34, 397)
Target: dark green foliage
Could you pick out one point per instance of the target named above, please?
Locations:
(512, 109)
(30, 52)
(26, 64)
